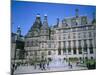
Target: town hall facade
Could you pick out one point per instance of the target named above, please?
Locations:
(73, 37)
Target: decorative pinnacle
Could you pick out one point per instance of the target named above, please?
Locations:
(45, 14)
(45, 17)
(38, 15)
(18, 26)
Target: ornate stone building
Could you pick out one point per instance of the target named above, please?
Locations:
(73, 37)
(17, 47)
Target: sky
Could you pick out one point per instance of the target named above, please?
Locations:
(23, 13)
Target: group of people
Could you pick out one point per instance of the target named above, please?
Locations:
(70, 65)
(43, 65)
(13, 67)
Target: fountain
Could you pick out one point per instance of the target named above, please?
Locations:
(57, 61)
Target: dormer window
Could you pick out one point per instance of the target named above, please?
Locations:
(73, 21)
(84, 20)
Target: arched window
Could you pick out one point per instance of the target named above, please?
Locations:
(59, 51)
(49, 52)
(91, 57)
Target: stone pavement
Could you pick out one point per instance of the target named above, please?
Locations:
(30, 69)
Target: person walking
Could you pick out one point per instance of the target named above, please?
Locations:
(48, 64)
(40, 65)
(71, 66)
(43, 65)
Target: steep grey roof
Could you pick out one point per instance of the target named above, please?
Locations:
(35, 27)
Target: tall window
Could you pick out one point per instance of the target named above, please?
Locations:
(74, 36)
(91, 46)
(84, 34)
(74, 43)
(86, 58)
(74, 47)
(79, 43)
(59, 49)
(59, 44)
(69, 43)
(90, 42)
(69, 36)
(64, 37)
(49, 52)
(49, 45)
(59, 37)
(52, 38)
(64, 43)
(47, 37)
(80, 51)
(85, 46)
(90, 34)
(31, 54)
(79, 35)
(79, 47)
(94, 34)
(64, 47)
(42, 45)
(74, 51)
(69, 46)
(35, 53)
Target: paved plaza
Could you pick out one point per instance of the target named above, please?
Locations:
(55, 65)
